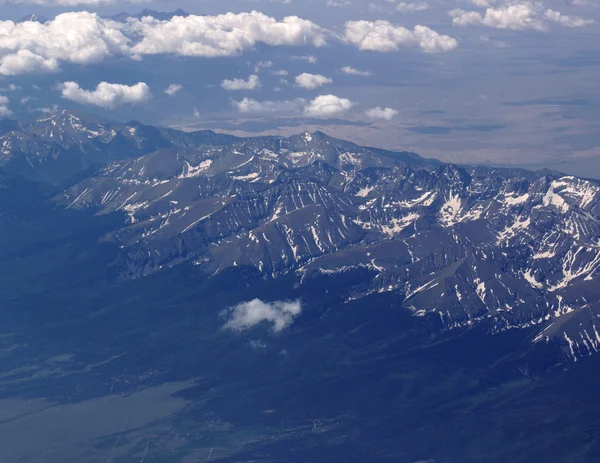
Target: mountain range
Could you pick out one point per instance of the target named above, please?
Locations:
(457, 243)
(460, 286)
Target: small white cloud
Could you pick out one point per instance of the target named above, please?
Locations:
(404, 7)
(280, 72)
(47, 110)
(173, 89)
(328, 106)
(355, 72)
(383, 36)
(567, 21)
(310, 59)
(4, 109)
(483, 3)
(279, 314)
(337, 3)
(381, 113)
(107, 95)
(312, 81)
(10, 88)
(253, 83)
(252, 106)
(262, 65)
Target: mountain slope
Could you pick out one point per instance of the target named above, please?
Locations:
(438, 312)
(457, 243)
(461, 244)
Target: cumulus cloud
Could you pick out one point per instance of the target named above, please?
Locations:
(173, 89)
(515, 16)
(32, 46)
(252, 106)
(404, 7)
(4, 109)
(279, 314)
(222, 35)
(312, 81)
(328, 106)
(381, 113)
(322, 106)
(383, 36)
(355, 72)
(253, 83)
(107, 95)
(568, 21)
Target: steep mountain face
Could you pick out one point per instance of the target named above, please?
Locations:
(460, 244)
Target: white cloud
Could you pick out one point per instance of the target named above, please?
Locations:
(25, 61)
(328, 106)
(31, 46)
(107, 95)
(381, 113)
(262, 65)
(223, 35)
(512, 17)
(322, 106)
(279, 314)
(382, 36)
(252, 106)
(516, 16)
(48, 109)
(568, 21)
(280, 72)
(173, 89)
(312, 81)
(337, 3)
(404, 7)
(483, 3)
(355, 72)
(253, 83)
(308, 58)
(4, 109)
(10, 88)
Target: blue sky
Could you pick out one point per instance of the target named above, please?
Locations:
(505, 82)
